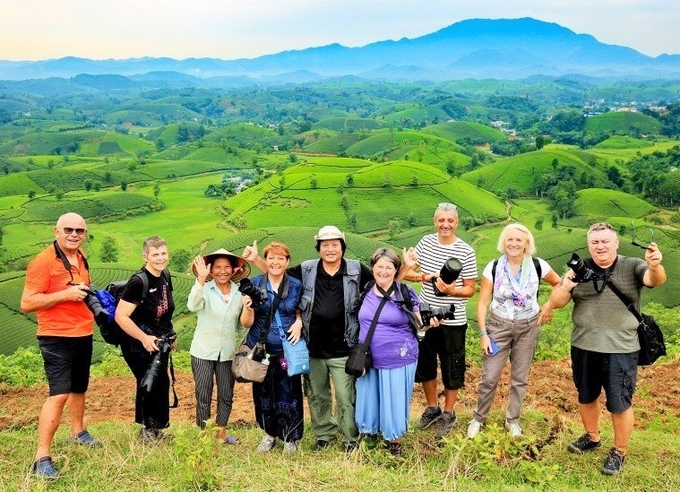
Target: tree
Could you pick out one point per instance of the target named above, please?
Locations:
(109, 251)
(314, 183)
(394, 228)
(540, 142)
(414, 181)
(180, 260)
(31, 194)
(349, 179)
(538, 225)
(156, 189)
(387, 181)
(123, 184)
(88, 185)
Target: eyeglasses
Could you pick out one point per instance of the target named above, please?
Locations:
(646, 237)
(78, 230)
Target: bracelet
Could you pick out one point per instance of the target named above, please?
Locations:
(422, 277)
(483, 333)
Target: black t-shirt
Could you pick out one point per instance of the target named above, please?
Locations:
(155, 312)
(327, 324)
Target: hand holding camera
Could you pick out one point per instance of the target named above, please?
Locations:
(88, 294)
(448, 275)
(163, 345)
(257, 296)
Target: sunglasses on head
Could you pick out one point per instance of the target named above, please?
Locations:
(78, 230)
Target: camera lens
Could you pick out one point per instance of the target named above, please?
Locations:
(451, 270)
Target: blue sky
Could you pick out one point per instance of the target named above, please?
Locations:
(228, 29)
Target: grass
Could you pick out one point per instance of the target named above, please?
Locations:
(193, 461)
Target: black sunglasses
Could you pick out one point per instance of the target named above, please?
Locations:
(78, 230)
(642, 246)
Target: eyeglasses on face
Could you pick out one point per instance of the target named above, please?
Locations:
(78, 230)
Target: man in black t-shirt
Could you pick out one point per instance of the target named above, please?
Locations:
(330, 302)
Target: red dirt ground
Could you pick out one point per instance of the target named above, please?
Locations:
(550, 391)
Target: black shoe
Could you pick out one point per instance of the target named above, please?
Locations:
(446, 421)
(429, 417)
(351, 446)
(394, 448)
(583, 444)
(614, 462)
(320, 444)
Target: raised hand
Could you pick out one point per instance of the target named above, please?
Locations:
(250, 253)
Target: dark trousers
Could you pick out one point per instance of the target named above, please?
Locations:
(205, 373)
(152, 409)
(278, 403)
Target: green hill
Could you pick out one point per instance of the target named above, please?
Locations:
(456, 131)
(519, 171)
(347, 125)
(622, 122)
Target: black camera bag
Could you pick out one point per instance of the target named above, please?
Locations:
(360, 359)
(650, 336)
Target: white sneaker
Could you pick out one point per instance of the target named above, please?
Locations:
(473, 429)
(266, 444)
(289, 447)
(514, 429)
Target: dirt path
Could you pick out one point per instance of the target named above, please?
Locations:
(550, 391)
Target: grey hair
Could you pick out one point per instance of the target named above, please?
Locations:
(446, 207)
(152, 242)
(602, 226)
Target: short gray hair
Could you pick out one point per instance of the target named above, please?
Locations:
(601, 226)
(152, 242)
(446, 207)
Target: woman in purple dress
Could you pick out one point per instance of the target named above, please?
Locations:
(384, 392)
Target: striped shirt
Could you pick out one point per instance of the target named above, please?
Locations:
(432, 256)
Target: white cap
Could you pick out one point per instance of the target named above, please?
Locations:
(329, 232)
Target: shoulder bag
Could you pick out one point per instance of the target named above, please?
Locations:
(249, 364)
(360, 359)
(652, 345)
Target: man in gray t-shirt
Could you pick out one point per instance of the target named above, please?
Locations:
(604, 343)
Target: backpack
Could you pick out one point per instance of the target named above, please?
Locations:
(109, 298)
(537, 266)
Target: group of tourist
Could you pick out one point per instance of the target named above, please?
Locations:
(334, 303)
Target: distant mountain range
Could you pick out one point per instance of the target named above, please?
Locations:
(476, 48)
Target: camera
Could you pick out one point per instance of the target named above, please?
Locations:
(427, 312)
(448, 273)
(164, 344)
(582, 273)
(258, 296)
(101, 314)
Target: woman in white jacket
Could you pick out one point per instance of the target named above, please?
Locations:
(220, 309)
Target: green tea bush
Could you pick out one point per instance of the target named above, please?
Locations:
(23, 368)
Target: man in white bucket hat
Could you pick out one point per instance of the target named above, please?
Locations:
(330, 300)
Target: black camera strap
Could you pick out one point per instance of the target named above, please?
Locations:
(64, 260)
(175, 402)
(627, 302)
(264, 333)
(369, 335)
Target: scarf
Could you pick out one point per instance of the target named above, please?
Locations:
(519, 286)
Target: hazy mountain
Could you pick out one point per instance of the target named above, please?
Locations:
(479, 48)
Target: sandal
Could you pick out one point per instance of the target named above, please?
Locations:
(230, 440)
